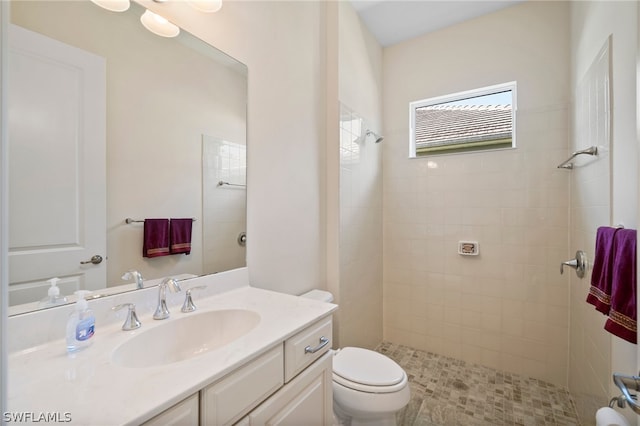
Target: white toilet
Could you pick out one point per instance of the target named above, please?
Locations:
(368, 387)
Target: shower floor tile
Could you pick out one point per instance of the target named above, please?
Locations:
(450, 392)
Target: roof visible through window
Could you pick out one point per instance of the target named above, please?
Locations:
(472, 121)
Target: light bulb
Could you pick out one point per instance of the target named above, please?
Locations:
(207, 6)
(159, 25)
(113, 5)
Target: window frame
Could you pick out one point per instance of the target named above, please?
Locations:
(483, 91)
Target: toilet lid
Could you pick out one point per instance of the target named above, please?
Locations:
(365, 367)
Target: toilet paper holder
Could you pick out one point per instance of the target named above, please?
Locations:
(625, 383)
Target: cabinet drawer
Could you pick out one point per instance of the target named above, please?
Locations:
(226, 401)
(306, 346)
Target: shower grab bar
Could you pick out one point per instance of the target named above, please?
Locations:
(129, 221)
(623, 382)
(592, 150)
(221, 183)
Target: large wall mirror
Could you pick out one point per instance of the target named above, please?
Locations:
(109, 122)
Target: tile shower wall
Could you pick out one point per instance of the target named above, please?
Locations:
(508, 307)
(590, 208)
(225, 205)
(360, 295)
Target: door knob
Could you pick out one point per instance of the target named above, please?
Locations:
(95, 259)
(579, 264)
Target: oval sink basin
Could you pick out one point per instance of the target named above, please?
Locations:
(185, 338)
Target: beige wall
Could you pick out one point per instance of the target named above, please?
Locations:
(360, 204)
(282, 43)
(604, 192)
(508, 307)
(360, 66)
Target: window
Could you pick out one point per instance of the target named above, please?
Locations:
(474, 120)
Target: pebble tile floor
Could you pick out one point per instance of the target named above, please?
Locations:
(450, 392)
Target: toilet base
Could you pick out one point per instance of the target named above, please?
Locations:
(343, 419)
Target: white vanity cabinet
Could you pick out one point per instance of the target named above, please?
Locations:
(288, 385)
(306, 400)
(278, 372)
(226, 401)
(183, 413)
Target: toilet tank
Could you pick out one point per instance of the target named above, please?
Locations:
(320, 295)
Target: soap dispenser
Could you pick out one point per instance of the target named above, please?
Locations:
(81, 324)
(53, 295)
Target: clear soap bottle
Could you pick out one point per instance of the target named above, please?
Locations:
(53, 295)
(81, 324)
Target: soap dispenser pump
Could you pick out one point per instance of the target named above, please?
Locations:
(81, 324)
(53, 295)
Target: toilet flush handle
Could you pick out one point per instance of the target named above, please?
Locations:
(323, 342)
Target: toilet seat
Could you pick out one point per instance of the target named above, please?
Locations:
(367, 371)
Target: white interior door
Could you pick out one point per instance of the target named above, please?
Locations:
(57, 166)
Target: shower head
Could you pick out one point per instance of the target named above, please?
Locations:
(376, 136)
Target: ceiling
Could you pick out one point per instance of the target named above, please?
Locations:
(394, 21)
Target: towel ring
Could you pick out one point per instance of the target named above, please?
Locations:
(579, 264)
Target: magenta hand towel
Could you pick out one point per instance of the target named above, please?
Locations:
(181, 235)
(156, 238)
(601, 275)
(622, 320)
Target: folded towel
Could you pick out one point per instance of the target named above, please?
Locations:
(181, 235)
(623, 316)
(156, 238)
(601, 275)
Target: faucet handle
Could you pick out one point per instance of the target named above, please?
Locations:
(131, 322)
(134, 275)
(579, 264)
(188, 305)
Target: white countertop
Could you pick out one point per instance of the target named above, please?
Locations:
(94, 391)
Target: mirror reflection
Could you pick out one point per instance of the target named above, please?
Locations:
(108, 121)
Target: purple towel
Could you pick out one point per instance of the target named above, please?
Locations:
(623, 316)
(601, 275)
(156, 238)
(181, 235)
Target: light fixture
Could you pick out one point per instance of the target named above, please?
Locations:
(154, 22)
(207, 6)
(113, 5)
(159, 25)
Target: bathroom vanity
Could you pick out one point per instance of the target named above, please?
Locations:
(259, 357)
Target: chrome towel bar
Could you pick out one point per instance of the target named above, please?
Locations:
(592, 150)
(221, 183)
(130, 221)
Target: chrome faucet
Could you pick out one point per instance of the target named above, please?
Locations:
(133, 274)
(161, 311)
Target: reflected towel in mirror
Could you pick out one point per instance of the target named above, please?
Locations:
(180, 235)
(156, 238)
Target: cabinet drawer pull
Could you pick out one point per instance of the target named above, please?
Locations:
(323, 342)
